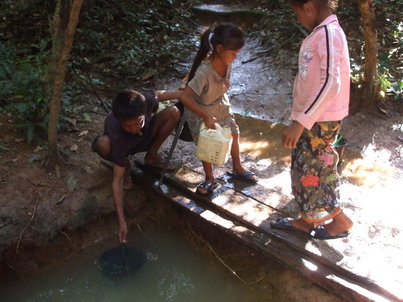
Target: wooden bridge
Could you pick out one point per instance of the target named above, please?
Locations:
(245, 211)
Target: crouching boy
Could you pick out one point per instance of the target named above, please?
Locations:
(131, 128)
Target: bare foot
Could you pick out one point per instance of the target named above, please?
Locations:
(302, 225)
(157, 162)
(341, 223)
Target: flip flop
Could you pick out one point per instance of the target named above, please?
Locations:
(321, 233)
(285, 224)
(209, 187)
(247, 176)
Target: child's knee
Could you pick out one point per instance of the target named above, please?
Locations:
(174, 113)
(103, 145)
(171, 113)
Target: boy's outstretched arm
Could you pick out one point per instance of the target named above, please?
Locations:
(117, 194)
(292, 134)
(164, 95)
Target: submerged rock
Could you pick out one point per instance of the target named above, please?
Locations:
(121, 261)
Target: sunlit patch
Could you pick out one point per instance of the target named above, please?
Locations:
(397, 127)
(213, 217)
(262, 139)
(372, 170)
(359, 289)
(254, 148)
(309, 265)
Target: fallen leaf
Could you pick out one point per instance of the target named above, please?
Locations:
(61, 199)
(148, 74)
(34, 158)
(73, 147)
(82, 133)
(71, 121)
(4, 148)
(71, 184)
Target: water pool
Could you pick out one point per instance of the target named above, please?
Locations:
(173, 271)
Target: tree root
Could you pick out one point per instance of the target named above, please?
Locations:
(27, 225)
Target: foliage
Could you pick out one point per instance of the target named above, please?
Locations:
(390, 41)
(390, 35)
(22, 82)
(114, 38)
(131, 38)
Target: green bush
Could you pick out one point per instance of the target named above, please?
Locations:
(22, 84)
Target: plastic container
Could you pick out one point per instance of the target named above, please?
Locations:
(214, 145)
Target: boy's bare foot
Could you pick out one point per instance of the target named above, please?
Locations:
(158, 163)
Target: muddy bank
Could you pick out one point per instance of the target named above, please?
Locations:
(35, 206)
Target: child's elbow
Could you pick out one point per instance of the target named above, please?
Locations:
(335, 85)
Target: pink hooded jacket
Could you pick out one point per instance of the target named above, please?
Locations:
(322, 85)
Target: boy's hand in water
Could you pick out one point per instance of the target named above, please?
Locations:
(122, 232)
(210, 121)
(292, 134)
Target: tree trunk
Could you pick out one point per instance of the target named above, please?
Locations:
(62, 41)
(371, 84)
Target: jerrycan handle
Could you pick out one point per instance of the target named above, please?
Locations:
(217, 127)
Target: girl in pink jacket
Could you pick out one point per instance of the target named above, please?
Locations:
(321, 98)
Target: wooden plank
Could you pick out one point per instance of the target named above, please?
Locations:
(256, 216)
(275, 250)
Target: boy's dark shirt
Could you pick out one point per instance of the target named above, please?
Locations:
(124, 143)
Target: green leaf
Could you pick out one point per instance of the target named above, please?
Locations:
(34, 158)
(87, 117)
(71, 184)
(330, 179)
(21, 107)
(43, 45)
(30, 133)
(4, 148)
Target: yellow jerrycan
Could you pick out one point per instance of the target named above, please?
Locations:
(214, 145)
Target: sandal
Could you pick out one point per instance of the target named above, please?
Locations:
(247, 176)
(321, 233)
(285, 224)
(206, 188)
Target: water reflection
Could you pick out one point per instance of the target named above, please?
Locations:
(262, 139)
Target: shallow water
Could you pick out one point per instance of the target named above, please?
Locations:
(262, 139)
(173, 271)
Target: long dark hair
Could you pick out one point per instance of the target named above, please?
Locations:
(332, 4)
(227, 35)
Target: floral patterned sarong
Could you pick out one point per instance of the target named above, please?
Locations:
(314, 177)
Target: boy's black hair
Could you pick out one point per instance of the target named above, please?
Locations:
(128, 104)
(227, 35)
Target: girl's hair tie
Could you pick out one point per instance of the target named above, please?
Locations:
(209, 40)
